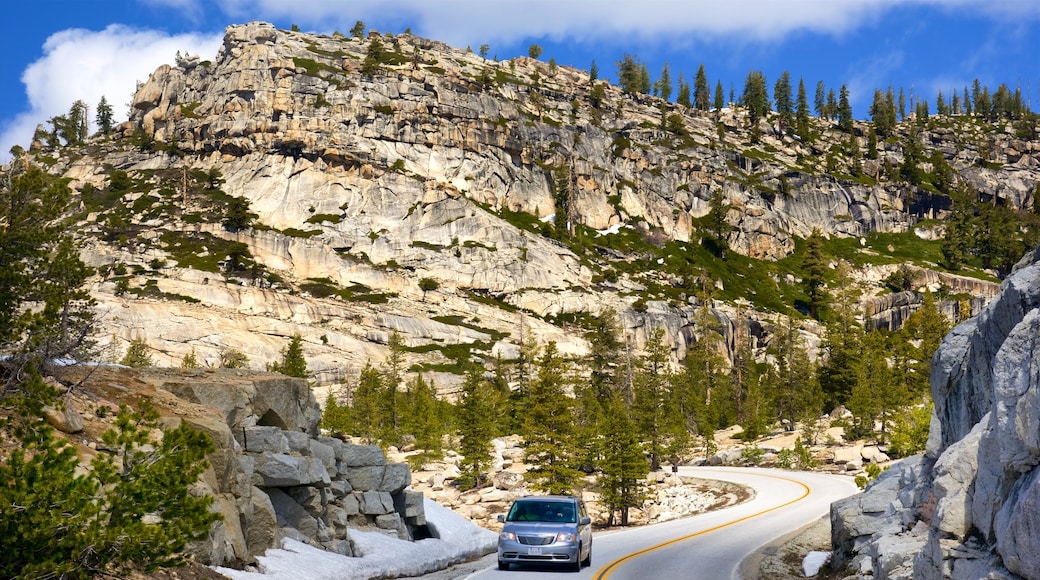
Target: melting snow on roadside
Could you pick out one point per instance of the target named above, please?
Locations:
(813, 562)
(381, 556)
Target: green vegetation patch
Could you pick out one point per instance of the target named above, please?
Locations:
(325, 288)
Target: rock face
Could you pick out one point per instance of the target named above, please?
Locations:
(970, 506)
(273, 475)
(428, 167)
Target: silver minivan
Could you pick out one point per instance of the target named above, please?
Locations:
(546, 529)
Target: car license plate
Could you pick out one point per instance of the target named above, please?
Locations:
(534, 551)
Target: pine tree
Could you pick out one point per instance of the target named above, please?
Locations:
(39, 267)
(876, 395)
(684, 93)
(839, 371)
(358, 30)
(60, 522)
(623, 467)
(782, 100)
(629, 78)
(549, 429)
(820, 102)
(103, 116)
(648, 409)
(137, 354)
(718, 224)
(814, 264)
(701, 92)
(476, 428)
(190, 360)
(844, 110)
(293, 363)
(720, 100)
(391, 377)
(422, 418)
(664, 83)
(335, 417)
(755, 98)
(831, 108)
(367, 408)
(373, 57)
(801, 119)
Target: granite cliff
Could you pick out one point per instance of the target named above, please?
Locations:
(438, 164)
(968, 507)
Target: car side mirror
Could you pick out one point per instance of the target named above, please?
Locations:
(584, 521)
(501, 518)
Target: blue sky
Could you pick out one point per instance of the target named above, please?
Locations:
(53, 52)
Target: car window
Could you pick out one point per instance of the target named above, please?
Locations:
(544, 511)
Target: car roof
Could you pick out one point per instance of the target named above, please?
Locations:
(560, 498)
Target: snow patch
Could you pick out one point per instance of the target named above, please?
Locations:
(380, 556)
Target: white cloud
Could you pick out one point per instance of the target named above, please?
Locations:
(85, 64)
(462, 22)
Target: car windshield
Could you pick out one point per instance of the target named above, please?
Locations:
(542, 511)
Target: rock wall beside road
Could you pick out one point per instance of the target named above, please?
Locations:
(969, 507)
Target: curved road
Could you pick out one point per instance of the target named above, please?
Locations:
(712, 545)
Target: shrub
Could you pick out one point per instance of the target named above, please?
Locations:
(137, 354)
(131, 510)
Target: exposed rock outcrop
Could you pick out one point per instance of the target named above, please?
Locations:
(272, 475)
(968, 508)
(440, 164)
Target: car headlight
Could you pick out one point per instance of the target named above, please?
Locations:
(509, 536)
(566, 537)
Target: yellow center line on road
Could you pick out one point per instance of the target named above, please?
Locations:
(611, 567)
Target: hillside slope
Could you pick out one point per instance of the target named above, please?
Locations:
(529, 195)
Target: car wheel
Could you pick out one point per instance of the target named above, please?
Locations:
(588, 559)
(576, 567)
(503, 565)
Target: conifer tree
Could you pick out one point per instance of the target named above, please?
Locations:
(391, 377)
(60, 522)
(683, 97)
(831, 108)
(476, 428)
(755, 98)
(649, 409)
(336, 417)
(137, 354)
(876, 395)
(664, 83)
(821, 100)
(839, 371)
(701, 92)
(373, 57)
(792, 381)
(844, 110)
(720, 100)
(814, 264)
(39, 267)
(190, 360)
(718, 224)
(783, 102)
(629, 76)
(801, 119)
(293, 363)
(422, 418)
(624, 467)
(549, 428)
(367, 408)
(103, 116)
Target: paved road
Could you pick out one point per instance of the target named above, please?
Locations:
(709, 546)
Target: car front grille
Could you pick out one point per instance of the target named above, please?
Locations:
(536, 540)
